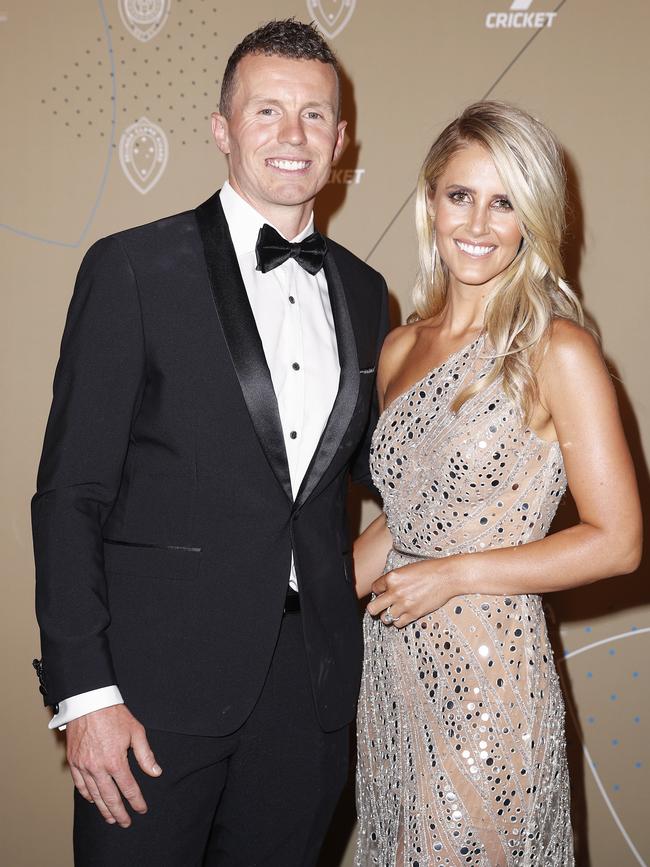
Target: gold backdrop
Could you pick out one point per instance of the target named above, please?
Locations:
(105, 110)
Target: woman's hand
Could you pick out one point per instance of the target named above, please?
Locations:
(413, 591)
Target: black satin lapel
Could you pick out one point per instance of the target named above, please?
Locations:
(348, 393)
(243, 339)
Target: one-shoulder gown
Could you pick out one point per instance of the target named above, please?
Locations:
(461, 744)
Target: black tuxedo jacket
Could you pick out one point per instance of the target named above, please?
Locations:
(163, 519)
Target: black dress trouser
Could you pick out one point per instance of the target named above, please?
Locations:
(261, 797)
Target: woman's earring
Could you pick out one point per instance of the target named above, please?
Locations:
(434, 256)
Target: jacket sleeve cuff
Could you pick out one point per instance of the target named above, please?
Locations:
(86, 702)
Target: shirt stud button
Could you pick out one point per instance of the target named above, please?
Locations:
(293, 434)
(295, 365)
(292, 300)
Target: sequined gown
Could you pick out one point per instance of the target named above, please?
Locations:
(461, 747)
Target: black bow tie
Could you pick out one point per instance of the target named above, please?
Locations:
(272, 250)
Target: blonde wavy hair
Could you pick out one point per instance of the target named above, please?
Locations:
(532, 291)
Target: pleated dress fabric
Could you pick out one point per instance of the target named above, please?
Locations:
(461, 744)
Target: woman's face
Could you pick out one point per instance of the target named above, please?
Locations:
(476, 230)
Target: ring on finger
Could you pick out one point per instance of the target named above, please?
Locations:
(388, 617)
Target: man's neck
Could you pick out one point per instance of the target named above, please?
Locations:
(289, 220)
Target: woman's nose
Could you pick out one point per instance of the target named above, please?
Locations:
(479, 221)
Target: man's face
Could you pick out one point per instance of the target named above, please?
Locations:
(282, 135)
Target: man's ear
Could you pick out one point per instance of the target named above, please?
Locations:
(341, 142)
(220, 132)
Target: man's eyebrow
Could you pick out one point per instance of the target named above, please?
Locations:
(324, 104)
(265, 99)
(319, 104)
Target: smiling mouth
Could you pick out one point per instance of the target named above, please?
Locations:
(289, 165)
(475, 250)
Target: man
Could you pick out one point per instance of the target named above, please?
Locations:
(200, 636)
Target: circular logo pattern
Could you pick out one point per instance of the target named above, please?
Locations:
(144, 19)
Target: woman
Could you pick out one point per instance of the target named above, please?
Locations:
(493, 397)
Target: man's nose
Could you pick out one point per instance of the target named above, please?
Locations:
(292, 130)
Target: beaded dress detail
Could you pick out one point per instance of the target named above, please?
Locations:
(461, 746)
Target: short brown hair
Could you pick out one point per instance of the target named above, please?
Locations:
(285, 38)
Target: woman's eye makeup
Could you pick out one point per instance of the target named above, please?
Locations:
(501, 203)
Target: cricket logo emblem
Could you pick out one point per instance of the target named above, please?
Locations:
(144, 19)
(331, 16)
(143, 154)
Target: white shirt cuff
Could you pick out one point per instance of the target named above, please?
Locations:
(86, 702)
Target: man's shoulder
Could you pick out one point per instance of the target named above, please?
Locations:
(160, 230)
(160, 242)
(351, 263)
(166, 243)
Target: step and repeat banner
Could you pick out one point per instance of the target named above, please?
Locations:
(105, 108)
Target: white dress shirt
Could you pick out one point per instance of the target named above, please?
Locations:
(293, 315)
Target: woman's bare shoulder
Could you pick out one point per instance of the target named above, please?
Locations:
(569, 344)
(572, 364)
(397, 346)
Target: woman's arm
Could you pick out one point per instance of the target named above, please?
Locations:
(372, 546)
(577, 390)
(370, 552)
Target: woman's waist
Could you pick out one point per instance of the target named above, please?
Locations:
(398, 557)
(467, 540)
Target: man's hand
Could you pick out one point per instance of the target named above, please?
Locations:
(97, 746)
